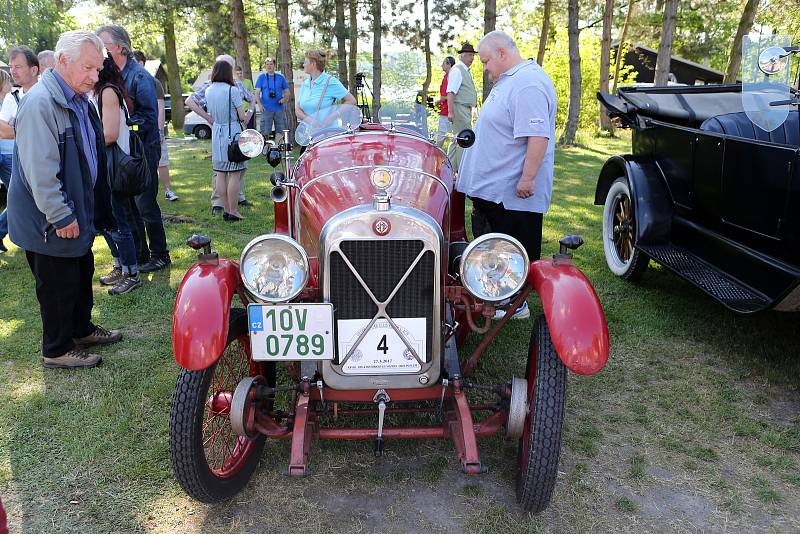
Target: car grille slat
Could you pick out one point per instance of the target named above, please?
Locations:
(382, 264)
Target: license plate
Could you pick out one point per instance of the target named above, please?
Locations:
(382, 351)
(291, 332)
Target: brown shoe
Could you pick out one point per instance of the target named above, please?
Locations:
(74, 359)
(112, 278)
(100, 336)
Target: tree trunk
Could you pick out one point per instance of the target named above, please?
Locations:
(173, 73)
(621, 46)
(285, 49)
(489, 24)
(377, 60)
(341, 36)
(745, 25)
(239, 34)
(605, 60)
(573, 112)
(427, 49)
(665, 47)
(548, 4)
(353, 44)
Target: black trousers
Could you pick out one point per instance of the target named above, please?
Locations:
(525, 226)
(64, 291)
(146, 215)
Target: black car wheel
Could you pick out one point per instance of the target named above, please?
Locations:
(209, 460)
(202, 131)
(540, 444)
(619, 233)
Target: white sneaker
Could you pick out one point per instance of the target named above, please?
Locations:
(523, 312)
(169, 195)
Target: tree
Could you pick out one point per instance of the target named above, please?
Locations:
(376, 57)
(605, 60)
(548, 4)
(416, 34)
(489, 24)
(745, 25)
(239, 31)
(573, 112)
(34, 23)
(353, 44)
(173, 73)
(665, 47)
(341, 36)
(285, 48)
(621, 46)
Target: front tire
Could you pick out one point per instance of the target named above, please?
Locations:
(540, 444)
(209, 460)
(619, 233)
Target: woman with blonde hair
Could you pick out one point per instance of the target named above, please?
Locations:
(319, 90)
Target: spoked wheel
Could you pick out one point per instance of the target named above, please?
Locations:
(540, 444)
(210, 461)
(619, 233)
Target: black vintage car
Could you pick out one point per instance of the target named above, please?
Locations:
(711, 189)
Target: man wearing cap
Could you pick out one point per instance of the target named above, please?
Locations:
(508, 172)
(461, 98)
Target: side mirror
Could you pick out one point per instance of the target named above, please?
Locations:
(251, 143)
(465, 138)
(773, 60)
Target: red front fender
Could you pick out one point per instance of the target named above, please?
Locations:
(200, 316)
(574, 314)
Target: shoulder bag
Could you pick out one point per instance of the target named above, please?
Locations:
(128, 174)
(234, 152)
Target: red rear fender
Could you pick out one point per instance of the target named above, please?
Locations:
(574, 315)
(200, 316)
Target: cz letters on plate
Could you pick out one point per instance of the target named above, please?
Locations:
(291, 332)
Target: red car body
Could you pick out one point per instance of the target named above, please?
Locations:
(331, 185)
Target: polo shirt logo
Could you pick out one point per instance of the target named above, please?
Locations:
(534, 122)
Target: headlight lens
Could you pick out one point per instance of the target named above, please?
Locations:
(494, 267)
(274, 268)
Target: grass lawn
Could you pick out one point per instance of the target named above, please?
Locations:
(693, 425)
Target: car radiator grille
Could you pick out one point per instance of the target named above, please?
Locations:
(382, 264)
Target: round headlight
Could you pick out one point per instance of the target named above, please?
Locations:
(494, 267)
(274, 268)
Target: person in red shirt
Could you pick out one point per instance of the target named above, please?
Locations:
(3, 525)
(444, 124)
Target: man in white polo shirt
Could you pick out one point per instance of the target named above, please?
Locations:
(461, 98)
(24, 67)
(508, 172)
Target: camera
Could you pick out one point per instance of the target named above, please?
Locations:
(360, 80)
(272, 94)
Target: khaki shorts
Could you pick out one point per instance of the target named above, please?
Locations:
(164, 161)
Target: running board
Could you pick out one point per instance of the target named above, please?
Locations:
(727, 290)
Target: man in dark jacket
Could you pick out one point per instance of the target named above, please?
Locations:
(58, 157)
(141, 87)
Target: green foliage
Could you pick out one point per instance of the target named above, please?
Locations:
(35, 23)
(556, 64)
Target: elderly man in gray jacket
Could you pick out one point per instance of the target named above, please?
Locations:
(59, 156)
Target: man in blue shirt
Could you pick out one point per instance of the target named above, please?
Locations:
(272, 92)
(508, 172)
(141, 87)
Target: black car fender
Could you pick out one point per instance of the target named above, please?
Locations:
(653, 205)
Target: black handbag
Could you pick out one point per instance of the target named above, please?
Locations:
(234, 152)
(128, 174)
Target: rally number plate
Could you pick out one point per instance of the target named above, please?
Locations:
(291, 332)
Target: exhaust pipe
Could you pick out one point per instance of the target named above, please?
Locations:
(278, 193)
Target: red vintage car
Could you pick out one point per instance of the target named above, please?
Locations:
(364, 294)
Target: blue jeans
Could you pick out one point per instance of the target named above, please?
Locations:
(5, 177)
(120, 241)
(146, 214)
